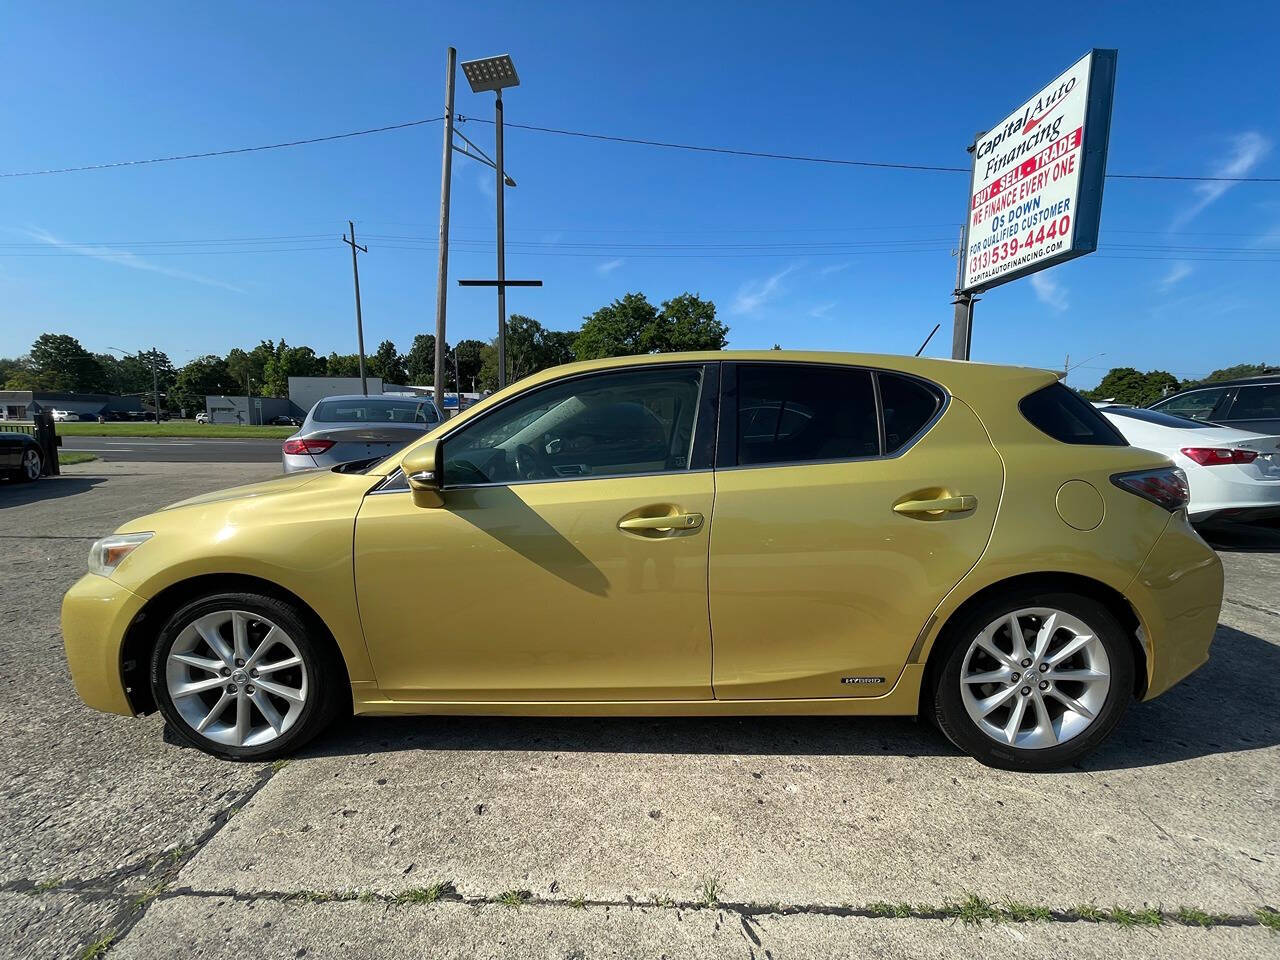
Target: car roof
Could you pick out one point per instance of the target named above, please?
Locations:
(1261, 379)
(374, 396)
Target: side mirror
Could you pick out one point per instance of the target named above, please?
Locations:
(424, 470)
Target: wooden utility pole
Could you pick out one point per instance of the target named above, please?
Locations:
(355, 272)
(442, 264)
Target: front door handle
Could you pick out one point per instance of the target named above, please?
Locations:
(941, 505)
(678, 521)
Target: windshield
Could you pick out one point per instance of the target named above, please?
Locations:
(373, 410)
(1159, 418)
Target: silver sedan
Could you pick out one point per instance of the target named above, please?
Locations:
(343, 429)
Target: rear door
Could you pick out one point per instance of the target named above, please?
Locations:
(818, 586)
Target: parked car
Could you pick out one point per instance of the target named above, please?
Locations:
(1250, 403)
(1233, 474)
(202, 418)
(344, 429)
(283, 421)
(971, 542)
(62, 416)
(20, 456)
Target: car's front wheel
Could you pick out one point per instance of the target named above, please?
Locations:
(32, 465)
(243, 676)
(1033, 681)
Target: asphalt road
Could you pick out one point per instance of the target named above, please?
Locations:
(176, 449)
(753, 838)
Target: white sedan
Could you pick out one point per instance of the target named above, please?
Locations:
(1234, 474)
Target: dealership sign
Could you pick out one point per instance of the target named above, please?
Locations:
(1035, 195)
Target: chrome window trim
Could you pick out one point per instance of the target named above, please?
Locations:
(379, 490)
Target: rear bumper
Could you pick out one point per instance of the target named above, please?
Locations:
(1178, 596)
(1241, 514)
(96, 612)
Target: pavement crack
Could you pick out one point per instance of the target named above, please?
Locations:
(1252, 606)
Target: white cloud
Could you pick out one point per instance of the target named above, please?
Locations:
(124, 258)
(1179, 271)
(1049, 291)
(831, 268)
(821, 310)
(755, 293)
(609, 266)
(1246, 149)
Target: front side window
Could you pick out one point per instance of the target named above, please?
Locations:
(797, 413)
(1198, 404)
(1257, 403)
(601, 425)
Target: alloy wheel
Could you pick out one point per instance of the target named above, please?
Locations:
(236, 678)
(31, 464)
(1035, 678)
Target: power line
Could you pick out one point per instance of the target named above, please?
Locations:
(610, 138)
(224, 153)
(732, 151)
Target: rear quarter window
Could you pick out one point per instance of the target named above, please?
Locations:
(1063, 414)
(908, 405)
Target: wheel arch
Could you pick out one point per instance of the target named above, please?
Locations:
(144, 630)
(1115, 602)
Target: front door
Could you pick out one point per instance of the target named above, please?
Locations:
(569, 560)
(818, 587)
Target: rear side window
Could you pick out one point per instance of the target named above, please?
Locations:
(794, 413)
(908, 406)
(1257, 403)
(1061, 413)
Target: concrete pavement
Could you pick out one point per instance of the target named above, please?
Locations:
(763, 837)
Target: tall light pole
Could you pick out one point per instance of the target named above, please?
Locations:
(442, 262)
(497, 73)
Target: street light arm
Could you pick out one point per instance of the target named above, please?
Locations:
(479, 156)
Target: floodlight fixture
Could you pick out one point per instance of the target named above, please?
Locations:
(491, 73)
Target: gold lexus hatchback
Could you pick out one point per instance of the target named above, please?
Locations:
(688, 534)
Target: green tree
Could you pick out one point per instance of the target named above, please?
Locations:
(468, 355)
(202, 377)
(387, 363)
(288, 362)
(1129, 385)
(58, 362)
(1241, 370)
(420, 361)
(621, 329)
(342, 365)
(687, 322)
(250, 365)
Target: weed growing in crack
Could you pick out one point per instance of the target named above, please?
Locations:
(578, 903)
(427, 894)
(662, 900)
(1145, 917)
(1268, 918)
(44, 886)
(973, 910)
(1088, 911)
(99, 947)
(1192, 917)
(278, 765)
(514, 898)
(710, 893)
(1025, 912)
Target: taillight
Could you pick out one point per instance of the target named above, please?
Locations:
(296, 445)
(1163, 486)
(1216, 456)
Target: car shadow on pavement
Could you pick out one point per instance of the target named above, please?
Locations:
(15, 494)
(1241, 537)
(1225, 707)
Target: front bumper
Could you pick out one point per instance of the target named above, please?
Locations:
(96, 613)
(1178, 596)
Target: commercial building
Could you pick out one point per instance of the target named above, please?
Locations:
(24, 404)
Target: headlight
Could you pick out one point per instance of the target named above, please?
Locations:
(107, 553)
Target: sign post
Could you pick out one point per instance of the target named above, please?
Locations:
(1035, 191)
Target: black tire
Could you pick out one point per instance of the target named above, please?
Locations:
(326, 695)
(21, 473)
(953, 719)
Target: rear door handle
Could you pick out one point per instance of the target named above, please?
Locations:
(679, 521)
(942, 505)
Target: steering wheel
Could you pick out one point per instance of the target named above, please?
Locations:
(527, 462)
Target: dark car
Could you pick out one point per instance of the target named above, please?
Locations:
(1250, 403)
(20, 456)
(283, 421)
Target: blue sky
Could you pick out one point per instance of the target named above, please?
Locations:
(792, 253)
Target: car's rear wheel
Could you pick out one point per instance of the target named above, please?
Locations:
(32, 465)
(1033, 681)
(244, 676)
